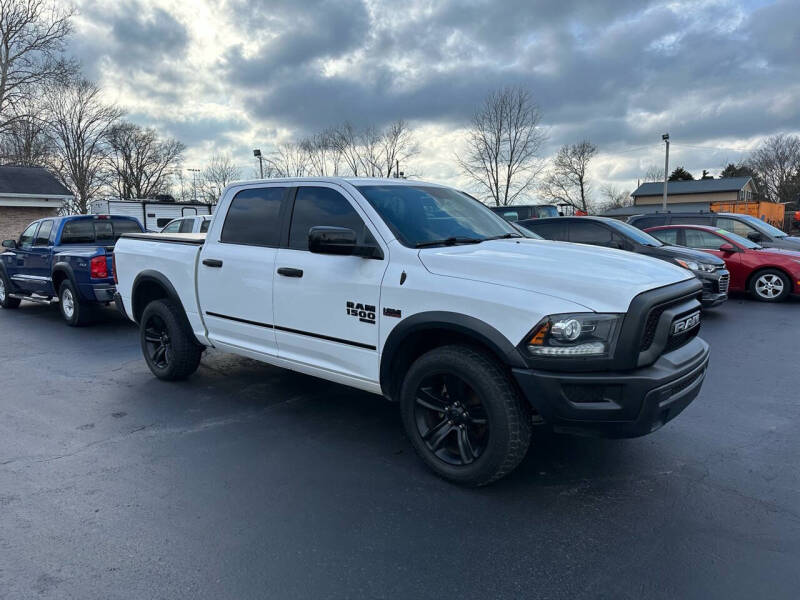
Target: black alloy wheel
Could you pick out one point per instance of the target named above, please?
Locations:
(157, 342)
(451, 419)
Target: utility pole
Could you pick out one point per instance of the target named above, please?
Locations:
(665, 137)
(194, 182)
(257, 154)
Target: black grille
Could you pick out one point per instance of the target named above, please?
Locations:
(650, 327)
(724, 281)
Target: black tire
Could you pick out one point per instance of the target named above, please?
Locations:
(169, 347)
(5, 290)
(770, 285)
(488, 394)
(75, 312)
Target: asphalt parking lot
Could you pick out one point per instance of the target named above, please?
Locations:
(251, 482)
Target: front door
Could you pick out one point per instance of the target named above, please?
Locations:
(236, 270)
(17, 266)
(326, 306)
(37, 262)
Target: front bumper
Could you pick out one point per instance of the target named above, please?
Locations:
(715, 287)
(618, 404)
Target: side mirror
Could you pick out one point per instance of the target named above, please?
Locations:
(755, 236)
(727, 248)
(10, 244)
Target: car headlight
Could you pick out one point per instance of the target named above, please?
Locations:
(693, 265)
(575, 335)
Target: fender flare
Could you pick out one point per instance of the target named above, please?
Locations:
(66, 268)
(471, 327)
(150, 275)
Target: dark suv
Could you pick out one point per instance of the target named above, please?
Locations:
(747, 226)
(600, 231)
(523, 212)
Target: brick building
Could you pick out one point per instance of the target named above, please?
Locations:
(27, 194)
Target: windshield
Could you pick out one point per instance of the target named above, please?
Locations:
(738, 239)
(426, 215)
(763, 226)
(638, 236)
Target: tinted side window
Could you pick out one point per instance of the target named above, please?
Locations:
(703, 240)
(26, 238)
(668, 236)
(205, 225)
(645, 222)
(43, 235)
(734, 226)
(691, 220)
(322, 207)
(186, 225)
(589, 233)
(253, 218)
(550, 231)
(80, 231)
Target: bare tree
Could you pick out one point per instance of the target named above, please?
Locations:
(397, 145)
(345, 141)
(324, 154)
(653, 173)
(567, 181)
(289, 160)
(777, 163)
(32, 37)
(25, 141)
(613, 197)
(504, 140)
(140, 163)
(220, 172)
(79, 124)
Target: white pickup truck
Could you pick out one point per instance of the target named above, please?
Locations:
(420, 293)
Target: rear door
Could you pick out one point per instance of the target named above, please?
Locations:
(550, 230)
(597, 234)
(326, 306)
(237, 267)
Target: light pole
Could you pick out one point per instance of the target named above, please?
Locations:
(194, 173)
(665, 137)
(257, 154)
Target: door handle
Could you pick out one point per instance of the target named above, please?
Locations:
(212, 262)
(289, 272)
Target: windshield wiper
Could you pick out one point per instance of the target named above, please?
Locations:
(451, 241)
(505, 236)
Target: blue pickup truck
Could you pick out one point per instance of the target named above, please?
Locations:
(64, 260)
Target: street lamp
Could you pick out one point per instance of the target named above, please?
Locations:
(257, 154)
(665, 137)
(194, 173)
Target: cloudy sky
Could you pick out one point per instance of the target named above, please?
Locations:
(231, 75)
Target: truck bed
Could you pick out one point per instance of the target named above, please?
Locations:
(195, 239)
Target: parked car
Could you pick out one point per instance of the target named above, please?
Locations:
(746, 226)
(525, 211)
(417, 292)
(67, 260)
(198, 224)
(770, 274)
(601, 231)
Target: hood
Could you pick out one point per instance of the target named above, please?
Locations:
(795, 254)
(789, 242)
(691, 254)
(602, 279)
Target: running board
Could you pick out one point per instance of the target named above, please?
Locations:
(37, 299)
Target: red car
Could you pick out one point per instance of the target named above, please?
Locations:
(770, 274)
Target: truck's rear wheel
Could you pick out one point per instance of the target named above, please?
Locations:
(464, 416)
(169, 348)
(75, 312)
(6, 301)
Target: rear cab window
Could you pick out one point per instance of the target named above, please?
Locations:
(97, 231)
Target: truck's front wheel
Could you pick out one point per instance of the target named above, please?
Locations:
(6, 301)
(169, 348)
(464, 416)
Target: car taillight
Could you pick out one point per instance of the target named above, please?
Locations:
(98, 267)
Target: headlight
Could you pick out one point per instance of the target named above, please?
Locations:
(696, 266)
(579, 335)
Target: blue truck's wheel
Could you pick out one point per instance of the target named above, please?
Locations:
(75, 312)
(6, 301)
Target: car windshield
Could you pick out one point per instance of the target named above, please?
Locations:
(763, 226)
(740, 240)
(638, 236)
(421, 215)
